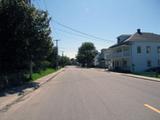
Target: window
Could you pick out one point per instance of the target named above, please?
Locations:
(138, 49)
(149, 63)
(158, 49)
(158, 61)
(124, 63)
(126, 49)
(148, 49)
(119, 50)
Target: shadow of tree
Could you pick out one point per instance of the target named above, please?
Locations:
(19, 89)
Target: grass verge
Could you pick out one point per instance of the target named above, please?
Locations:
(148, 74)
(42, 73)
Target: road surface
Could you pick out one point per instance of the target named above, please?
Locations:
(90, 94)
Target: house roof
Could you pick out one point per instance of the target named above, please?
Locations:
(143, 36)
(119, 44)
(124, 35)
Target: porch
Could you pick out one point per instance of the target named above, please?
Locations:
(120, 64)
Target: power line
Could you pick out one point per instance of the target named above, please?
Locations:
(77, 31)
(46, 8)
(72, 29)
(57, 29)
(70, 33)
(45, 5)
(36, 2)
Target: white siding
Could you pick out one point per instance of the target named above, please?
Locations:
(140, 60)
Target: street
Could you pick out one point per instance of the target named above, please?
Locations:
(90, 94)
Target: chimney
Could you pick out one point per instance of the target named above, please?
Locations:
(139, 31)
(118, 40)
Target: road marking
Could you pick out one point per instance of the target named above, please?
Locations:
(152, 108)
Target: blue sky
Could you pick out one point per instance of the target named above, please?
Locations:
(102, 18)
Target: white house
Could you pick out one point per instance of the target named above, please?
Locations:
(100, 59)
(135, 53)
(96, 60)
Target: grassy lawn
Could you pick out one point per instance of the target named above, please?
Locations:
(36, 76)
(148, 74)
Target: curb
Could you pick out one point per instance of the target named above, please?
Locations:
(18, 99)
(21, 95)
(142, 77)
(138, 76)
(49, 79)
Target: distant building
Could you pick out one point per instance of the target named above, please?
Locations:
(134, 53)
(100, 59)
(96, 60)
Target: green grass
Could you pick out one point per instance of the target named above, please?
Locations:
(36, 76)
(148, 74)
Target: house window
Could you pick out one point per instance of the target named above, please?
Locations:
(119, 50)
(126, 49)
(158, 49)
(138, 49)
(148, 49)
(124, 63)
(158, 61)
(149, 63)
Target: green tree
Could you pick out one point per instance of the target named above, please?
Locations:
(86, 54)
(64, 60)
(73, 61)
(12, 43)
(52, 58)
(25, 40)
(40, 44)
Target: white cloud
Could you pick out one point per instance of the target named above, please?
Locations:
(71, 54)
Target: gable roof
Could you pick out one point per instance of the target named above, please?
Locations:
(143, 36)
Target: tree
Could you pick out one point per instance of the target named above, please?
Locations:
(73, 61)
(52, 58)
(12, 43)
(86, 54)
(40, 44)
(25, 40)
(64, 60)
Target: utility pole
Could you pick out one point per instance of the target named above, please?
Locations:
(62, 53)
(57, 61)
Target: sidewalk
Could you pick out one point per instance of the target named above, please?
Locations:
(142, 77)
(137, 76)
(14, 95)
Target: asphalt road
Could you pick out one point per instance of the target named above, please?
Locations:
(90, 94)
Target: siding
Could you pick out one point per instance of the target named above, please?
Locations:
(140, 60)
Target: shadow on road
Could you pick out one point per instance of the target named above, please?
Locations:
(19, 90)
